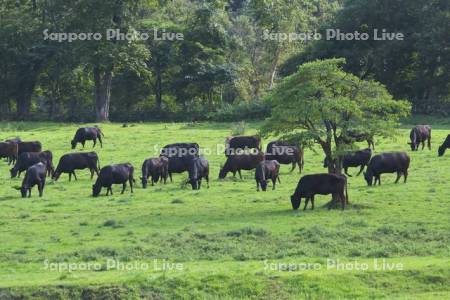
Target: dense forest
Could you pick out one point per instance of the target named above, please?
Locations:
(206, 59)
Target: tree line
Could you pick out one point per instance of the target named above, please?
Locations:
(223, 65)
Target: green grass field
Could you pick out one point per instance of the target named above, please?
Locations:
(228, 241)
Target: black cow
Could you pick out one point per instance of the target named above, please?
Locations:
(10, 151)
(23, 147)
(444, 146)
(179, 155)
(198, 169)
(236, 163)
(267, 169)
(356, 136)
(236, 144)
(395, 162)
(68, 163)
(320, 184)
(114, 174)
(419, 135)
(286, 154)
(181, 150)
(14, 140)
(35, 175)
(358, 158)
(155, 168)
(87, 134)
(27, 159)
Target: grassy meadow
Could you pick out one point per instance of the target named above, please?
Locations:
(223, 242)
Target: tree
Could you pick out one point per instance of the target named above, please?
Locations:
(321, 103)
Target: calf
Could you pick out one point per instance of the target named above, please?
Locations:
(198, 169)
(155, 168)
(444, 146)
(358, 158)
(236, 144)
(23, 147)
(87, 134)
(419, 135)
(10, 151)
(35, 175)
(267, 169)
(236, 163)
(113, 174)
(285, 153)
(320, 184)
(68, 163)
(27, 159)
(395, 162)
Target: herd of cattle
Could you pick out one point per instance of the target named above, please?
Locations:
(181, 157)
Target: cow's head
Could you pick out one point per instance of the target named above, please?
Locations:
(96, 188)
(144, 181)
(414, 146)
(23, 191)
(222, 173)
(263, 184)
(368, 176)
(295, 201)
(73, 143)
(56, 174)
(441, 150)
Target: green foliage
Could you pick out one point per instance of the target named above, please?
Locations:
(253, 110)
(326, 103)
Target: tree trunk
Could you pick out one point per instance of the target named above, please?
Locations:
(274, 67)
(158, 91)
(24, 100)
(103, 81)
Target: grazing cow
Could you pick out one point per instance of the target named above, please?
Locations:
(27, 159)
(68, 163)
(29, 147)
(267, 169)
(10, 151)
(236, 163)
(358, 158)
(235, 144)
(444, 146)
(114, 174)
(320, 184)
(35, 175)
(285, 153)
(355, 136)
(87, 134)
(198, 169)
(179, 155)
(155, 168)
(419, 135)
(395, 162)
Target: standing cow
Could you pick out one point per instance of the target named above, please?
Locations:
(236, 163)
(179, 155)
(236, 144)
(320, 184)
(28, 159)
(265, 171)
(68, 163)
(155, 168)
(10, 151)
(445, 145)
(35, 175)
(23, 147)
(419, 135)
(285, 153)
(87, 134)
(357, 136)
(395, 162)
(198, 169)
(358, 158)
(113, 174)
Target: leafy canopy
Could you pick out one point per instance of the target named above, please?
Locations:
(321, 103)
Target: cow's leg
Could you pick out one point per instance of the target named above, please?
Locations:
(100, 140)
(95, 143)
(240, 175)
(124, 185)
(40, 188)
(70, 176)
(274, 182)
(83, 143)
(346, 172)
(312, 202)
(405, 174)
(170, 176)
(74, 175)
(342, 197)
(379, 179)
(130, 180)
(360, 170)
(429, 142)
(399, 174)
(110, 190)
(257, 185)
(200, 183)
(306, 203)
(29, 193)
(293, 167)
(423, 145)
(92, 173)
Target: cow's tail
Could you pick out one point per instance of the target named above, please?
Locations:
(346, 191)
(429, 140)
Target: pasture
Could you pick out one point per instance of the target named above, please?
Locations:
(227, 241)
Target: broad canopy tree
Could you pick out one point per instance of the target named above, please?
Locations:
(321, 103)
